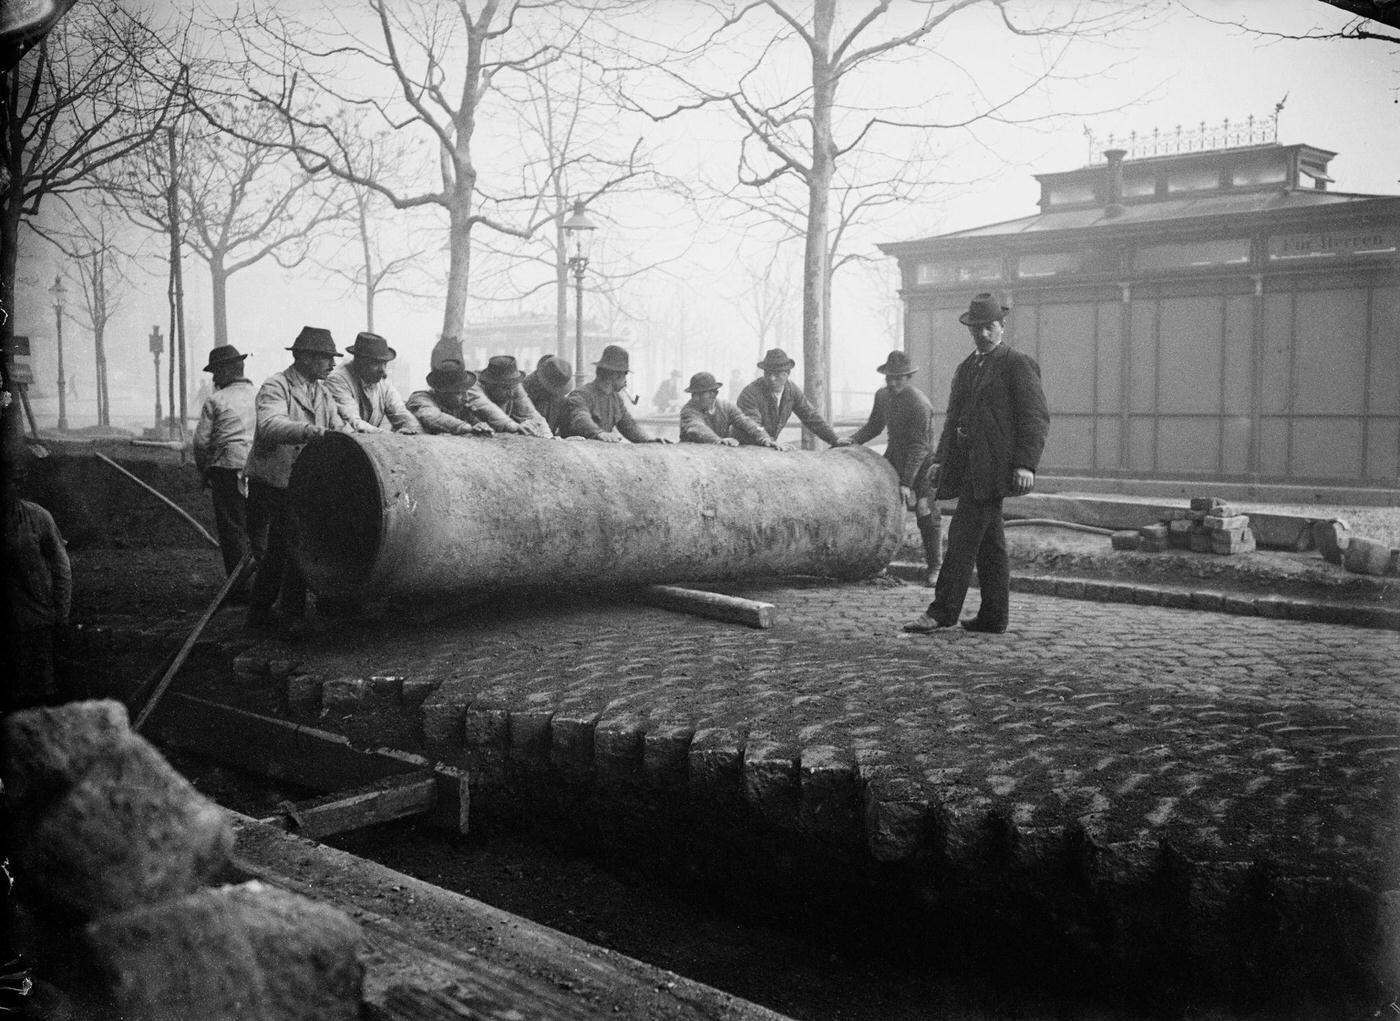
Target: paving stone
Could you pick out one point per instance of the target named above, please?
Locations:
(830, 802)
(571, 742)
(1214, 601)
(249, 951)
(1125, 540)
(899, 823)
(1226, 523)
(617, 746)
(716, 759)
(666, 754)
(770, 779)
(529, 735)
(1156, 531)
(415, 691)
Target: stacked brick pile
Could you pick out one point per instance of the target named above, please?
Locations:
(1209, 525)
(114, 851)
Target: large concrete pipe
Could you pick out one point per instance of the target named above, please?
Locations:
(387, 514)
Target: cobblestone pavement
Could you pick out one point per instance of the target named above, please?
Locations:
(1256, 759)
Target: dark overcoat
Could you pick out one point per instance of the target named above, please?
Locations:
(1004, 417)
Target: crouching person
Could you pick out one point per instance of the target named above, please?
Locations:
(449, 405)
(707, 419)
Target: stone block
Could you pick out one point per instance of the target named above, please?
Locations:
(1366, 556)
(485, 737)
(898, 819)
(1124, 540)
(1176, 599)
(1225, 543)
(343, 696)
(49, 749)
(1331, 539)
(571, 742)
(529, 735)
(1196, 517)
(130, 832)
(228, 954)
(1181, 526)
(1157, 531)
(304, 695)
(1208, 601)
(1221, 523)
(1199, 541)
(617, 746)
(715, 763)
(1206, 503)
(770, 779)
(1153, 545)
(443, 728)
(1069, 588)
(416, 690)
(828, 799)
(665, 753)
(387, 686)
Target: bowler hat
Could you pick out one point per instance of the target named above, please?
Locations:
(222, 355)
(776, 360)
(450, 377)
(316, 340)
(985, 308)
(701, 382)
(501, 369)
(614, 358)
(555, 372)
(372, 345)
(897, 364)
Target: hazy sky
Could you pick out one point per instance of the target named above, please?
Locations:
(1341, 96)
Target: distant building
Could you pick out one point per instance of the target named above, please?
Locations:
(1216, 314)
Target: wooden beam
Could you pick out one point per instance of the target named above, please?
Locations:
(394, 797)
(310, 758)
(734, 609)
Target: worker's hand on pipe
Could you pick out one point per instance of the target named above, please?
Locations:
(663, 439)
(729, 441)
(483, 429)
(1022, 481)
(907, 495)
(843, 441)
(361, 426)
(784, 447)
(608, 437)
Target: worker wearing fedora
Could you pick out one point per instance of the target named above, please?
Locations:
(548, 389)
(989, 449)
(597, 410)
(773, 399)
(707, 419)
(222, 442)
(502, 383)
(451, 402)
(294, 406)
(903, 411)
(366, 400)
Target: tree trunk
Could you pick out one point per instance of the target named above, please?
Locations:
(459, 239)
(219, 278)
(815, 353)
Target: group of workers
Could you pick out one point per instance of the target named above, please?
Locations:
(989, 448)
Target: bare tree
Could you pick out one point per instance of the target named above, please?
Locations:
(79, 100)
(428, 70)
(90, 235)
(771, 296)
(800, 127)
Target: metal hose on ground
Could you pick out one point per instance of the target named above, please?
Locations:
(1052, 523)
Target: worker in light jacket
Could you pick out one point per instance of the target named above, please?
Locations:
(222, 442)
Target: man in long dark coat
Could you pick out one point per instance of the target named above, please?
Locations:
(990, 449)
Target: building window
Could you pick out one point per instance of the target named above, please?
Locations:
(1137, 183)
(1072, 193)
(961, 271)
(1259, 171)
(1049, 264)
(1193, 179)
(1193, 254)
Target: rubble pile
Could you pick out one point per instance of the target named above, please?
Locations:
(1209, 525)
(115, 854)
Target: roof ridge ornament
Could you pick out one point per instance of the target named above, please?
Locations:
(1202, 138)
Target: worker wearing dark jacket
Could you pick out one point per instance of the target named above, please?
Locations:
(990, 449)
(902, 411)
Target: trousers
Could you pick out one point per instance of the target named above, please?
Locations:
(230, 515)
(278, 578)
(976, 537)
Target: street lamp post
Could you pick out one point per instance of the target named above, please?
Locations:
(157, 346)
(578, 235)
(59, 293)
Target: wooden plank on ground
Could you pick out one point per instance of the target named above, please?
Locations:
(733, 609)
(394, 797)
(305, 756)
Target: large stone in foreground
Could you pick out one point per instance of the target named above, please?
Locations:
(1331, 539)
(245, 953)
(105, 823)
(1366, 556)
(48, 749)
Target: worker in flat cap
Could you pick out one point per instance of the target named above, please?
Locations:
(989, 449)
(598, 411)
(501, 381)
(222, 442)
(293, 407)
(773, 399)
(903, 411)
(548, 389)
(451, 403)
(366, 400)
(707, 419)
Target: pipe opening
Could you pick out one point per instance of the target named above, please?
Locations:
(335, 505)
